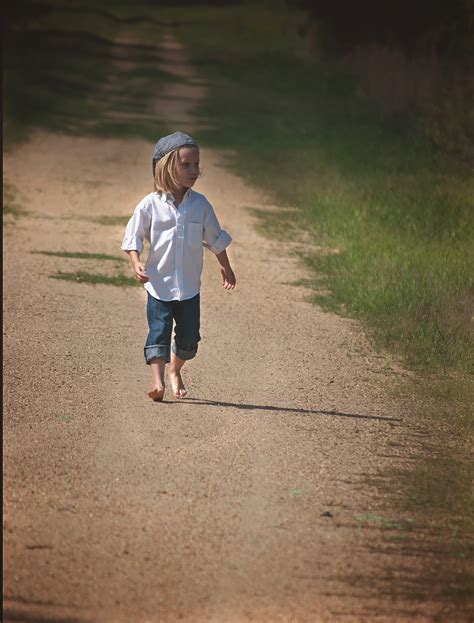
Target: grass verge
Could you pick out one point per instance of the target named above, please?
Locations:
(81, 276)
(10, 205)
(385, 226)
(400, 214)
(112, 220)
(82, 255)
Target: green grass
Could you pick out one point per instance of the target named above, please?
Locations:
(435, 486)
(111, 220)
(439, 484)
(87, 277)
(386, 523)
(400, 214)
(81, 276)
(81, 255)
(10, 205)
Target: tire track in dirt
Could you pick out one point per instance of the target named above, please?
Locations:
(210, 509)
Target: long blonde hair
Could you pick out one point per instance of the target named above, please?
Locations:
(165, 173)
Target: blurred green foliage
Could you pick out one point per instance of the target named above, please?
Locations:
(69, 67)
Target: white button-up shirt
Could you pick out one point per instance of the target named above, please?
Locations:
(177, 237)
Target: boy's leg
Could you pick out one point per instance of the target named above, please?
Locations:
(157, 390)
(157, 347)
(179, 390)
(187, 318)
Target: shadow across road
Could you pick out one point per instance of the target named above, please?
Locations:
(299, 411)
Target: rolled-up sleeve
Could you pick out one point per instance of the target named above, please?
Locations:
(215, 238)
(137, 230)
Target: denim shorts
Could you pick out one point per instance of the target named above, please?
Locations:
(160, 315)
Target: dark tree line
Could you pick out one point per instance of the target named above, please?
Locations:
(411, 25)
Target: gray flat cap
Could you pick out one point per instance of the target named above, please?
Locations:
(170, 143)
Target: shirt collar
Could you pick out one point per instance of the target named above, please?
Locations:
(170, 198)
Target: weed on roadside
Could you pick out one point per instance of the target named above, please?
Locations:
(111, 220)
(10, 205)
(82, 255)
(96, 278)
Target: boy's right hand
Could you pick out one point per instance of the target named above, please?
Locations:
(140, 272)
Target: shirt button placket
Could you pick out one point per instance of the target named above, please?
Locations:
(179, 254)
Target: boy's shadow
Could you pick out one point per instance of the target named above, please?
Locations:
(299, 411)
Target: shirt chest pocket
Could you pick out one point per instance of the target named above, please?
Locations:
(194, 235)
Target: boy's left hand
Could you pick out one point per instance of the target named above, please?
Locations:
(228, 278)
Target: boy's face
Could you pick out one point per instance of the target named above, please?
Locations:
(187, 168)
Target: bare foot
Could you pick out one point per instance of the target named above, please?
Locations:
(177, 384)
(156, 394)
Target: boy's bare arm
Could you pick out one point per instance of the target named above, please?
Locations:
(138, 267)
(228, 277)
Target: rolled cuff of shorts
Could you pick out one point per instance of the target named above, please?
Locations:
(184, 354)
(132, 243)
(156, 352)
(221, 243)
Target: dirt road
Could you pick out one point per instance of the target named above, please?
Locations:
(245, 502)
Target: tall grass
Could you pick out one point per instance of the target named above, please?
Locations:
(437, 93)
(365, 183)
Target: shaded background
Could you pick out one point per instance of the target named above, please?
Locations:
(359, 120)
